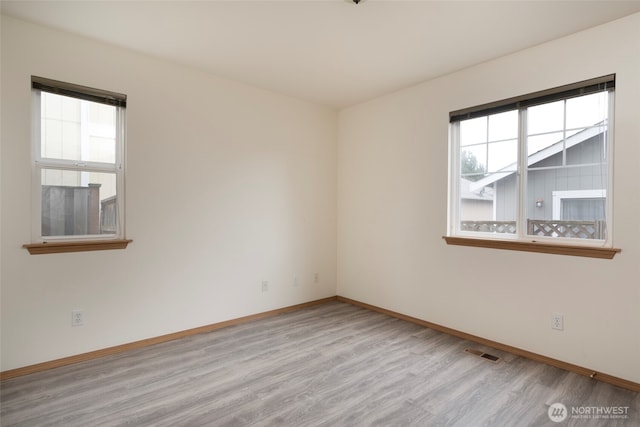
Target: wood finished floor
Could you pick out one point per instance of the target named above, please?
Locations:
(329, 365)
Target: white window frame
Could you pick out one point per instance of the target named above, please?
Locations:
(559, 195)
(453, 225)
(40, 163)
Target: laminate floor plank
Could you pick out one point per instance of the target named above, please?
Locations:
(329, 365)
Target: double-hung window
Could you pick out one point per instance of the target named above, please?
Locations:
(78, 163)
(535, 168)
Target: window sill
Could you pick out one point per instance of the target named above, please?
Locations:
(583, 251)
(77, 246)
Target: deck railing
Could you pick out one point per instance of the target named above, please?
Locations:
(538, 227)
(575, 229)
(489, 226)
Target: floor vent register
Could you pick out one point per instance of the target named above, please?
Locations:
(489, 357)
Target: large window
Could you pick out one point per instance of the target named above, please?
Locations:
(536, 167)
(78, 162)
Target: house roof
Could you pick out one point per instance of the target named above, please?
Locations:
(538, 156)
(483, 193)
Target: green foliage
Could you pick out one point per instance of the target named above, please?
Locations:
(470, 168)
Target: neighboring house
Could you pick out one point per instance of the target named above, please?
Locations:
(476, 205)
(566, 181)
(556, 192)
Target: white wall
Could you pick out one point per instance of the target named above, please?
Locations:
(227, 185)
(392, 212)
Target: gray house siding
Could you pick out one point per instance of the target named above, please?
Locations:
(542, 183)
(506, 202)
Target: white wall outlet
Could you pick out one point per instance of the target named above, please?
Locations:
(265, 285)
(316, 278)
(557, 322)
(296, 282)
(77, 317)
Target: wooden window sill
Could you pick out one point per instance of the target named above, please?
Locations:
(584, 251)
(77, 246)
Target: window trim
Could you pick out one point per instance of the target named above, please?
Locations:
(520, 240)
(76, 246)
(74, 243)
(534, 246)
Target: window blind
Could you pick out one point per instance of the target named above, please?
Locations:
(80, 92)
(585, 87)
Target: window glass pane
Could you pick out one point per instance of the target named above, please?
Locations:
(78, 203)
(587, 110)
(503, 126)
(540, 143)
(503, 155)
(567, 168)
(473, 161)
(476, 201)
(74, 129)
(488, 144)
(488, 205)
(567, 202)
(588, 209)
(545, 118)
(473, 131)
(588, 148)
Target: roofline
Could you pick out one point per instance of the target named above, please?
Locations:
(572, 141)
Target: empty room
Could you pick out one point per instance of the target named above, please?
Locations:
(320, 213)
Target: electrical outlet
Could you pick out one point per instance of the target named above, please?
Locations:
(77, 318)
(296, 283)
(265, 286)
(557, 322)
(316, 278)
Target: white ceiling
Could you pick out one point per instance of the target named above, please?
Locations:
(332, 52)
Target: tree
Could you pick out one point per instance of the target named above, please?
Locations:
(470, 168)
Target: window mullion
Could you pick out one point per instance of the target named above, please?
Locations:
(523, 165)
(564, 133)
(36, 188)
(486, 147)
(120, 169)
(454, 179)
(73, 165)
(609, 135)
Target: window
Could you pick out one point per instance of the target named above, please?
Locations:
(536, 168)
(579, 205)
(78, 163)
